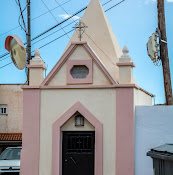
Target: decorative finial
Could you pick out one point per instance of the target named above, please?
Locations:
(125, 51)
(37, 54)
(80, 29)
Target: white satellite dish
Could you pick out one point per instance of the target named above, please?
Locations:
(17, 51)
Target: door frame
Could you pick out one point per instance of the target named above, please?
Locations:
(57, 139)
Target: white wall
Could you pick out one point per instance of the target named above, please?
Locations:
(153, 127)
(12, 96)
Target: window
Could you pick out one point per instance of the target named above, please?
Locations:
(3, 109)
(79, 72)
(80, 143)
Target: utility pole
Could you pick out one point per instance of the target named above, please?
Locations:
(164, 52)
(28, 36)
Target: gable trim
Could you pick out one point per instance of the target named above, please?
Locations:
(99, 64)
(67, 54)
(58, 65)
(57, 138)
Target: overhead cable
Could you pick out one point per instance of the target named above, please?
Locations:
(114, 5)
(6, 65)
(63, 22)
(35, 17)
(55, 18)
(21, 15)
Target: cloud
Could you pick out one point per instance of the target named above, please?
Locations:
(65, 16)
(147, 2)
(169, 0)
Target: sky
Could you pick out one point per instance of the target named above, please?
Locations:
(133, 21)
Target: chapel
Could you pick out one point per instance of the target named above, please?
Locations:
(79, 120)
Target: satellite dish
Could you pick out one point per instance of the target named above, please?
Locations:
(17, 51)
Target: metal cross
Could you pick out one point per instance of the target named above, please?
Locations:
(80, 29)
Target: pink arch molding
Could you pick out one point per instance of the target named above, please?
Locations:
(57, 137)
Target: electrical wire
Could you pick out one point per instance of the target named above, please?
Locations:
(33, 18)
(55, 18)
(66, 12)
(4, 58)
(6, 65)
(59, 23)
(56, 39)
(114, 5)
(88, 35)
(21, 15)
(69, 31)
(52, 33)
(107, 2)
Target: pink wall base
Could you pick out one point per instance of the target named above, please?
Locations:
(31, 132)
(125, 131)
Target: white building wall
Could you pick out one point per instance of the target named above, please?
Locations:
(153, 127)
(12, 95)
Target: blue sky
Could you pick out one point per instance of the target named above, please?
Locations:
(133, 22)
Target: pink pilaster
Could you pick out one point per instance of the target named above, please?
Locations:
(125, 131)
(31, 132)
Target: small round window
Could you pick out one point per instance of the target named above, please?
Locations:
(79, 71)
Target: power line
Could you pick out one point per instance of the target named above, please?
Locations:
(88, 35)
(65, 21)
(52, 33)
(34, 18)
(21, 15)
(59, 23)
(114, 5)
(4, 58)
(107, 2)
(55, 39)
(54, 17)
(6, 65)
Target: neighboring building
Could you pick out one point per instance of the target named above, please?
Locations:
(80, 119)
(11, 113)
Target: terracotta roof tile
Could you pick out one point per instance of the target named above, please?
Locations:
(10, 136)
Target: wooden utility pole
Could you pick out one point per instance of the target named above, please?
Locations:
(164, 52)
(28, 37)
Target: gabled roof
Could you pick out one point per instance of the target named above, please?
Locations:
(100, 37)
(67, 54)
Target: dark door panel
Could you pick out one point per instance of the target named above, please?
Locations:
(78, 153)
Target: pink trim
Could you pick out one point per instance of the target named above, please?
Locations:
(67, 55)
(98, 63)
(31, 132)
(57, 136)
(87, 63)
(30, 87)
(125, 131)
(58, 65)
(82, 86)
(79, 42)
(88, 87)
(126, 64)
(36, 66)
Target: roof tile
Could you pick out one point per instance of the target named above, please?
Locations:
(10, 136)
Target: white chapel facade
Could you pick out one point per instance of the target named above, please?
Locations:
(79, 120)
